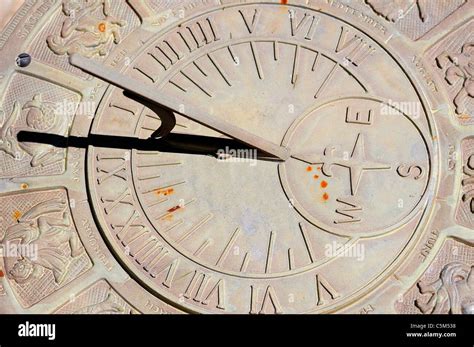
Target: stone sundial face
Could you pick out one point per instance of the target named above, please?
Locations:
(369, 207)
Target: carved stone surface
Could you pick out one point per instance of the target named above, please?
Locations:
(465, 212)
(415, 18)
(394, 11)
(452, 59)
(369, 103)
(39, 110)
(91, 27)
(447, 286)
(42, 250)
(84, 33)
(100, 298)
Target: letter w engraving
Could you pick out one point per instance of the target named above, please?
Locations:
(349, 211)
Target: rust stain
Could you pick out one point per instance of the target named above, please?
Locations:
(315, 177)
(24, 186)
(324, 184)
(174, 208)
(168, 217)
(1, 274)
(165, 192)
(283, 2)
(16, 215)
(309, 169)
(318, 168)
(325, 196)
(102, 27)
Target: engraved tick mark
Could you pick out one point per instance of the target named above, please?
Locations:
(256, 58)
(307, 243)
(245, 262)
(195, 227)
(227, 248)
(271, 246)
(294, 74)
(203, 247)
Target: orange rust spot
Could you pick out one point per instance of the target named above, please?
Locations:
(318, 168)
(1, 274)
(283, 2)
(315, 177)
(324, 184)
(16, 215)
(23, 185)
(174, 208)
(325, 196)
(102, 27)
(309, 168)
(168, 217)
(165, 192)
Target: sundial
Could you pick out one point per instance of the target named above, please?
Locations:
(219, 156)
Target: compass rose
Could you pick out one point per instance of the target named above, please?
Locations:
(357, 163)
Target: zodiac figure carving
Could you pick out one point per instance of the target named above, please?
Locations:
(462, 68)
(453, 292)
(469, 171)
(82, 32)
(53, 240)
(107, 306)
(8, 141)
(394, 10)
(41, 117)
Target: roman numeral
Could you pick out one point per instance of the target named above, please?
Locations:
(123, 230)
(197, 290)
(111, 204)
(166, 55)
(119, 171)
(268, 304)
(169, 268)
(199, 34)
(353, 50)
(146, 250)
(359, 117)
(250, 24)
(323, 285)
(306, 25)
